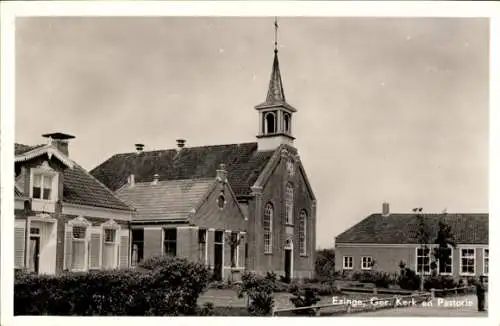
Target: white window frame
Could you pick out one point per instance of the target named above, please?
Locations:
(428, 247)
(346, 259)
(44, 171)
(486, 259)
(268, 246)
(289, 196)
(303, 230)
(110, 225)
(80, 221)
(462, 256)
(451, 266)
(364, 262)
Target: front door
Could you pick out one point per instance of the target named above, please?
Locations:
(218, 247)
(288, 265)
(34, 257)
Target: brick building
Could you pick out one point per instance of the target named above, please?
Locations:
(390, 238)
(64, 218)
(179, 218)
(268, 180)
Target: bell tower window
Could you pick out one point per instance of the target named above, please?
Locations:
(286, 123)
(270, 123)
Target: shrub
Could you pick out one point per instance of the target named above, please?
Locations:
(304, 297)
(167, 287)
(409, 280)
(380, 279)
(259, 290)
(439, 283)
(206, 310)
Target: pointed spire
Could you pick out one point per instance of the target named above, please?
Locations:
(275, 93)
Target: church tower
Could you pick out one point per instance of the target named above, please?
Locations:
(275, 114)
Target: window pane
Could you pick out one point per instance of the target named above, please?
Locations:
(79, 232)
(171, 234)
(302, 232)
(47, 181)
(267, 226)
(218, 236)
(109, 235)
(46, 193)
(37, 192)
(37, 180)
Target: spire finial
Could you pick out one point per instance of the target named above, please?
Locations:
(275, 34)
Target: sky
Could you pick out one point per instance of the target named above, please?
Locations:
(389, 109)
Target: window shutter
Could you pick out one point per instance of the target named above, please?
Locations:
(68, 246)
(19, 243)
(124, 248)
(95, 248)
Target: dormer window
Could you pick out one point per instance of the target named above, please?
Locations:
(42, 186)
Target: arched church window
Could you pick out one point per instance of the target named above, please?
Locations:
(289, 204)
(303, 233)
(268, 228)
(270, 123)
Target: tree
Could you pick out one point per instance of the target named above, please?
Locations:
(325, 263)
(444, 240)
(423, 239)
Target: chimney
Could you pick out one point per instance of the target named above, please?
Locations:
(181, 143)
(139, 148)
(131, 180)
(59, 140)
(385, 209)
(156, 178)
(221, 173)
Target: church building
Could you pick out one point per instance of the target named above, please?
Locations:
(234, 207)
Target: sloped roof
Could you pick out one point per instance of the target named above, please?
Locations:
(82, 188)
(166, 200)
(403, 228)
(244, 163)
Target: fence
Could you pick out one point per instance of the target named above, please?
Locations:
(347, 306)
(439, 293)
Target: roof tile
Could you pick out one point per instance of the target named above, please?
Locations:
(244, 164)
(166, 200)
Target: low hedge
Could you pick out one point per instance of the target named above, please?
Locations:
(171, 286)
(380, 279)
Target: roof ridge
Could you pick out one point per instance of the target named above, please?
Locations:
(187, 147)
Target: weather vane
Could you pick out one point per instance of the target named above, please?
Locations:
(275, 34)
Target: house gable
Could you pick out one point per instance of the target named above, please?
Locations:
(74, 184)
(210, 213)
